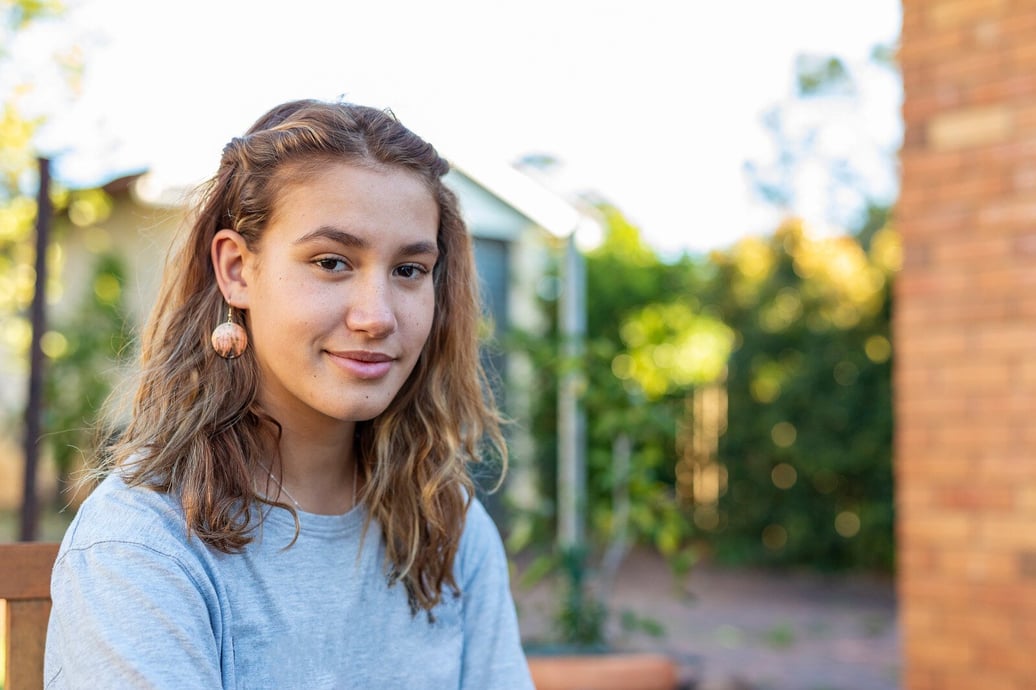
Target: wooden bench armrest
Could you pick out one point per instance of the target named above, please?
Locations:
(25, 587)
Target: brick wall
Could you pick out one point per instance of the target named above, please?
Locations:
(965, 338)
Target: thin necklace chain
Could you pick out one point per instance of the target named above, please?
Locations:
(292, 498)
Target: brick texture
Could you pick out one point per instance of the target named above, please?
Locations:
(965, 340)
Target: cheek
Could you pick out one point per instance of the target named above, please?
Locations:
(427, 320)
(421, 318)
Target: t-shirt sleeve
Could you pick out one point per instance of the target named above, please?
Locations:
(127, 615)
(492, 654)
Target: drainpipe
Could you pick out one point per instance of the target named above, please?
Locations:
(571, 416)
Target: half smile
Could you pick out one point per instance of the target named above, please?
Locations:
(363, 364)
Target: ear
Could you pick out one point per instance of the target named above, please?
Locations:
(230, 255)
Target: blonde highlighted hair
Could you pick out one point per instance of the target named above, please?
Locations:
(196, 429)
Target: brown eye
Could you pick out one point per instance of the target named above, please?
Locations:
(411, 271)
(331, 264)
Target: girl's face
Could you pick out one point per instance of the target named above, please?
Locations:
(340, 296)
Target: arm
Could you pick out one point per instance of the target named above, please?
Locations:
(492, 654)
(126, 615)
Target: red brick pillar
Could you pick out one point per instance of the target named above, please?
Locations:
(965, 339)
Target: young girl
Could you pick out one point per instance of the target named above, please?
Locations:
(288, 505)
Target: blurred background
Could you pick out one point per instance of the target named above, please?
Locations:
(682, 215)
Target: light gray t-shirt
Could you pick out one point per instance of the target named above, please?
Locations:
(137, 604)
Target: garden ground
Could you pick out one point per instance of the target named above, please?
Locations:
(755, 630)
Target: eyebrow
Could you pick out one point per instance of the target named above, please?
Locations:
(350, 240)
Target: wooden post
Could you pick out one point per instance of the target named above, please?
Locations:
(30, 503)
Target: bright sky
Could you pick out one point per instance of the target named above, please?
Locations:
(655, 104)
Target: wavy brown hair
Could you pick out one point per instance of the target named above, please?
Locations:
(196, 429)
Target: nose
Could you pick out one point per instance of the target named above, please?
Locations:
(370, 308)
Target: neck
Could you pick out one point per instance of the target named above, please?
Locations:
(328, 508)
(318, 474)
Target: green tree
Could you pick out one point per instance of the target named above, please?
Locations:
(808, 445)
(832, 153)
(79, 349)
(83, 349)
(624, 276)
(21, 118)
(636, 313)
(637, 379)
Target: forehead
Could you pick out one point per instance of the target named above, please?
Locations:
(362, 197)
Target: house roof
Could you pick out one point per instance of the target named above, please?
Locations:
(527, 196)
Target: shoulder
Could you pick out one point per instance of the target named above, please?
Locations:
(478, 517)
(117, 511)
(132, 594)
(480, 545)
(130, 519)
(131, 538)
(479, 527)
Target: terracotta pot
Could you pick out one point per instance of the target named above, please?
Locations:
(642, 671)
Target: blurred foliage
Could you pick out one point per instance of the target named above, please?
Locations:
(624, 393)
(808, 447)
(821, 75)
(629, 291)
(18, 178)
(788, 332)
(795, 329)
(18, 14)
(82, 350)
(81, 342)
(807, 452)
(832, 153)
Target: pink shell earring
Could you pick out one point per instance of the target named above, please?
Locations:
(229, 339)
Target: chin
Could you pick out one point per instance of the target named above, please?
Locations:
(358, 413)
(360, 403)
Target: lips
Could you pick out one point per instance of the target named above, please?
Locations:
(363, 364)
